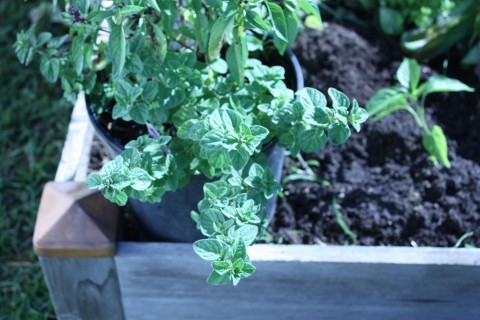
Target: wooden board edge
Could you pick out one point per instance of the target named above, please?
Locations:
(312, 253)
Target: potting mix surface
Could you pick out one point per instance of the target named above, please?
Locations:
(387, 191)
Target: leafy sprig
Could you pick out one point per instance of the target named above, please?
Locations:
(410, 95)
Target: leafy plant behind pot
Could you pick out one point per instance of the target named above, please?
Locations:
(410, 95)
(162, 66)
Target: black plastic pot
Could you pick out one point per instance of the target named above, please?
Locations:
(169, 220)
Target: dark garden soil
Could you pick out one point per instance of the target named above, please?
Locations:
(387, 191)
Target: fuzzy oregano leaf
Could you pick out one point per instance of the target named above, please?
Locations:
(218, 279)
(247, 233)
(338, 132)
(208, 249)
(357, 116)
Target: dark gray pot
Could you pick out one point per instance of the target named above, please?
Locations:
(170, 219)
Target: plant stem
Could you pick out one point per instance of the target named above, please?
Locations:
(305, 165)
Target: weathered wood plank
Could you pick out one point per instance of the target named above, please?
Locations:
(75, 222)
(167, 281)
(83, 288)
(74, 238)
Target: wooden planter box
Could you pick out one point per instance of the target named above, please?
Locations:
(90, 276)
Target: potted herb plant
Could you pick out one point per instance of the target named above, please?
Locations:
(186, 82)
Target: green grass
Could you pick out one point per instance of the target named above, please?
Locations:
(32, 128)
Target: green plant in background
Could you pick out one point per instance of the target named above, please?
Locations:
(429, 28)
(394, 16)
(189, 72)
(410, 95)
(460, 28)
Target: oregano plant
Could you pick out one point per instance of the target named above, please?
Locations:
(190, 72)
(409, 95)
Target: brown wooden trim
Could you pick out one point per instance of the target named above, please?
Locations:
(76, 222)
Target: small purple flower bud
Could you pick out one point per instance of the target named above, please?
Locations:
(152, 131)
(77, 17)
(165, 150)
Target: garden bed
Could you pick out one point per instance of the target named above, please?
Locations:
(152, 280)
(387, 190)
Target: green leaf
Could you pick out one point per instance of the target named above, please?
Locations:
(141, 180)
(239, 250)
(338, 133)
(117, 47)
(339, 99)
(213, 140)
(312, 22)
(81, 5)
(95, 182)
(384, 101)
(43, 38)
(408, 74)
(208, 219)
(99, 16)
(239, 158)
(130, 10)
(218, 279)
(391, 21)
(236, 57)
(311, 98)
(255, 20)
(357, 116)
(116, 196)
(154, 5)
(114, 166)
(310, 7)
(220, 28)
(473, 56)
(278, 20)
(208, 249)
(443, 84)
(50, 68)
(436, 145)
(160, 46)
(119, 181)
(293, 25)
(248, 270)
(150, 91)
(77, 53)
(312, 140)
(247, 232)
(222, 267)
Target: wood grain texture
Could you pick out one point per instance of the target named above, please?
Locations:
(167, 281)
(75, 222)
(84, 289)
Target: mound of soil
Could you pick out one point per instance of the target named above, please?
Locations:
(387, 191)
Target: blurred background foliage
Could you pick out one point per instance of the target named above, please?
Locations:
(32, 129)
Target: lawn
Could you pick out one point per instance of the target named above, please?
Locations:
(32, 128)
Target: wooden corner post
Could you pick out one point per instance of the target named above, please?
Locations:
(74, 238)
